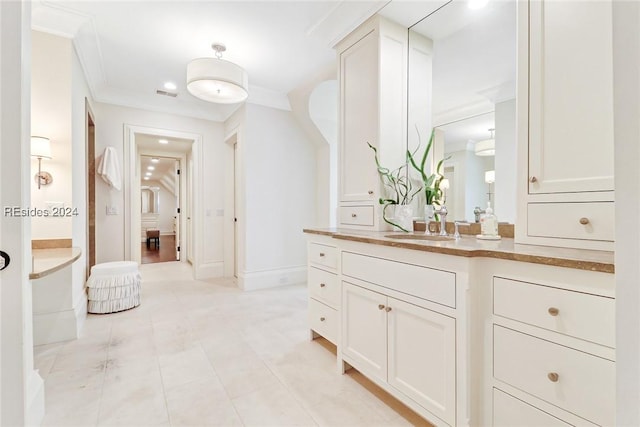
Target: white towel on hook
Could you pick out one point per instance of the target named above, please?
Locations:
(109, 168)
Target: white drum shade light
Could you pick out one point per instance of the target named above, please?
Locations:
(486, 147)
(216, 80)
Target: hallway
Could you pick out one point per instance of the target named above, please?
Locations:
(164, 252)
(206, 353)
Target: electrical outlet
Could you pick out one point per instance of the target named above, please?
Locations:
(112, 210)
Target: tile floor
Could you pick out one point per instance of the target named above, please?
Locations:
(203, 353)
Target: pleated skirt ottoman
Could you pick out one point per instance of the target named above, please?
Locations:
(114, 286)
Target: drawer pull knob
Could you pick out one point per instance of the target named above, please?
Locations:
(533, 179)
(553, 311)
(584, 221)
(553, 377)
(322, 285)
(380, 307)
(321, 254)
(388, 309)
(322, 319)
(353, 215)
(370, 192)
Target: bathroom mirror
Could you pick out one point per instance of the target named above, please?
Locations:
(149, 199)
(461, 81)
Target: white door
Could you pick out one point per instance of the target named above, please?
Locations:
(189, 212)
(359, 111)
(235, 209)
(19, 382)
(422, 357)
(364, 330)
(570, 96)
(177, 207)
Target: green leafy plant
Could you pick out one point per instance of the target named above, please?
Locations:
(430, 182)
(398, 188)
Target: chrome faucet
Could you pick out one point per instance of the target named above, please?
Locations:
(477, 212)
(442, 211)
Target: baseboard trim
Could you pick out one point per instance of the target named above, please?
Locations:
(272, 278)
(210, 270)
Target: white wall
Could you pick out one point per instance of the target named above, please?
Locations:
(167, 206)
(280, 196)
(110, 121)
(51, 117)
(505, 161)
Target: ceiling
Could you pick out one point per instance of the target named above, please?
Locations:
(151, 144)
(163, 166)
(129, 49)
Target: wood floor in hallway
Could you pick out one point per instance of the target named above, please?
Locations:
(166, 251)
(206, 353)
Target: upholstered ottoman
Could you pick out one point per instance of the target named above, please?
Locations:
(114, 286)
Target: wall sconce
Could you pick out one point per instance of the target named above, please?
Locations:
(41, 149)
(490, 178)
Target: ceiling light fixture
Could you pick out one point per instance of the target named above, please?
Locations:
(486, 147)
(146, 178)
(216, 80)
(150, 168)
(148, 174)
(170, 86)
(154, 160)
(163, 141)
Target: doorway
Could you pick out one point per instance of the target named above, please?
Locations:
(160, 197)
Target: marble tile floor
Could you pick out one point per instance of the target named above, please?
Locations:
(204, 353)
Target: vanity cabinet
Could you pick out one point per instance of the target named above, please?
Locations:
(554, 350)
(565, 124)
(373, 109)
(324, 288)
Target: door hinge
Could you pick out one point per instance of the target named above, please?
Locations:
(178, 210)
(178, 171)
(178, 248)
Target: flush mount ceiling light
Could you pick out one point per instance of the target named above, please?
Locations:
(486, 147)
(163, 141)
(216, 80)
(154, 160)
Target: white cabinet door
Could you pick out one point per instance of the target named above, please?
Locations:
(570, 96)
(359, 118)
(422, 357)
(364, 330)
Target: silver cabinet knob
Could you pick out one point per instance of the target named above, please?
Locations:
(533, 179)
(584, 221)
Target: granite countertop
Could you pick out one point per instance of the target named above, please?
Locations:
(48, 261)
(469, 246)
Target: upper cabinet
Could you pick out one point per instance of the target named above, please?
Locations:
(565, 123)
(373, 91)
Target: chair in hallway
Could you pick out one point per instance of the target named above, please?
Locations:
(153, 236)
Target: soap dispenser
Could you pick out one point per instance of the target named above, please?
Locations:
(488, 225)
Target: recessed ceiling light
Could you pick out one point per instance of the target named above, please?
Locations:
(146, 178)
(477, 4)
(163, 141)
(154, 160)
(170, 86)
(148, 174)
(150, 168)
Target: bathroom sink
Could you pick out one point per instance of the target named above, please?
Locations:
(433, 238)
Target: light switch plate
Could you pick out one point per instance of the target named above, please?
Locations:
(112, 210)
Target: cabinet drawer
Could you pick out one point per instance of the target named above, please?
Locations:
(511, 412)
(322, 255)
(583, 316)
(356, 215)
(565, 220)
(585, 384)
(422, 282)
(324, 320)
(324, 286)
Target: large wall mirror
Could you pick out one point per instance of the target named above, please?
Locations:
(149, 199)
(461, 77)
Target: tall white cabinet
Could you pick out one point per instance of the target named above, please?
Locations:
(565, 124)
(373, 109)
